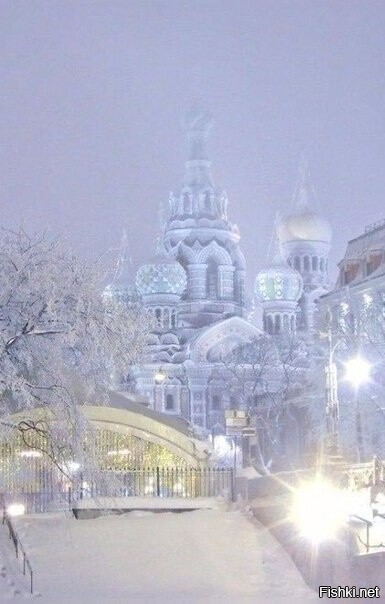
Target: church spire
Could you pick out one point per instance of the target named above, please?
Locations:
(197, 124)
(123, 268)
(275, 255)
(304, 190)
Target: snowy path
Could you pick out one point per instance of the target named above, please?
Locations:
(201, 556)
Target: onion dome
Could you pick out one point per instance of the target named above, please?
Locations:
(161, 275)
(278, 281)
(304, 224)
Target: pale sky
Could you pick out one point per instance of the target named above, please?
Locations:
(92, 95)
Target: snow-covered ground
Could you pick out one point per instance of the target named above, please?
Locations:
(215, 555)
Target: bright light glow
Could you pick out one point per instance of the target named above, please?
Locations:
(73, 466)
(222, 446)
(16, 509)
(319, 510)
(119, 452)
(31, 453)
(357, 371)
(159, 377)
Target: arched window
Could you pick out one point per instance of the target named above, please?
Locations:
(322, 265)
(297, 263)
(233, 402)
(314, 263)
(215, 402)
(277, 324)
(169, 402)
(186, 203)
(212, 280)
(158, 316)
(166, 317)
(306, 263)
(207, 201)
(286, 323)
(269, 325)
(173, 318)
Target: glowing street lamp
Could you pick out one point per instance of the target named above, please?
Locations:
(159, 376)
(319, 510)
(357, 371)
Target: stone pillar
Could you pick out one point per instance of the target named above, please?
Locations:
(196, 274)
(226, 282)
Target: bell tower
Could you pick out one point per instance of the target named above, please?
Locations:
(199, 235)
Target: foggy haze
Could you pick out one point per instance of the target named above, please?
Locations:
(92, 96)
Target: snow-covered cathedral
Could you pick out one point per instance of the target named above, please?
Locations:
(195, 288)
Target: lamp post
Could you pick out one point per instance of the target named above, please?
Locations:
(357, 372)
(331, 392)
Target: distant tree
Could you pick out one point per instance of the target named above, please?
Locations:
(60, 341)
(262, 377)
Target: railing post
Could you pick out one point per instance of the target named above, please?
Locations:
(157, 481)
(31, 573)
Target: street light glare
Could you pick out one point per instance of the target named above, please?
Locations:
(357, 371)
(319, 510)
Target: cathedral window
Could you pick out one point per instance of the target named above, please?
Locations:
(170, 403)
(207, 202)
(212, 281)
(216, 402)
(186, 203)
(158, 316)
(269, 325)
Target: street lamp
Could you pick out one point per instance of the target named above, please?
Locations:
(159, 376)
(357, 372)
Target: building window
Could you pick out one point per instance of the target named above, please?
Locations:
(212, 281)
(186, 203)
(173, 318)
(322, 265)
(297, 263)
(373, 262)
(158, 316)
(207, 202)
(314, 263)
(216, 402)
(169, 402)
(306, 263)
(277, 324)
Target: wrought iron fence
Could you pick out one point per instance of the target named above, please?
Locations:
(139, 482)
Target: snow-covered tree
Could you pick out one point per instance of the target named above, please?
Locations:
(60, 341)
(262, 378)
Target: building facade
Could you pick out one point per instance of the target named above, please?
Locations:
(195, 289)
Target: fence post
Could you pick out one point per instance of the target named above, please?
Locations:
(31, 573)
(157, 481)
(232, 484)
